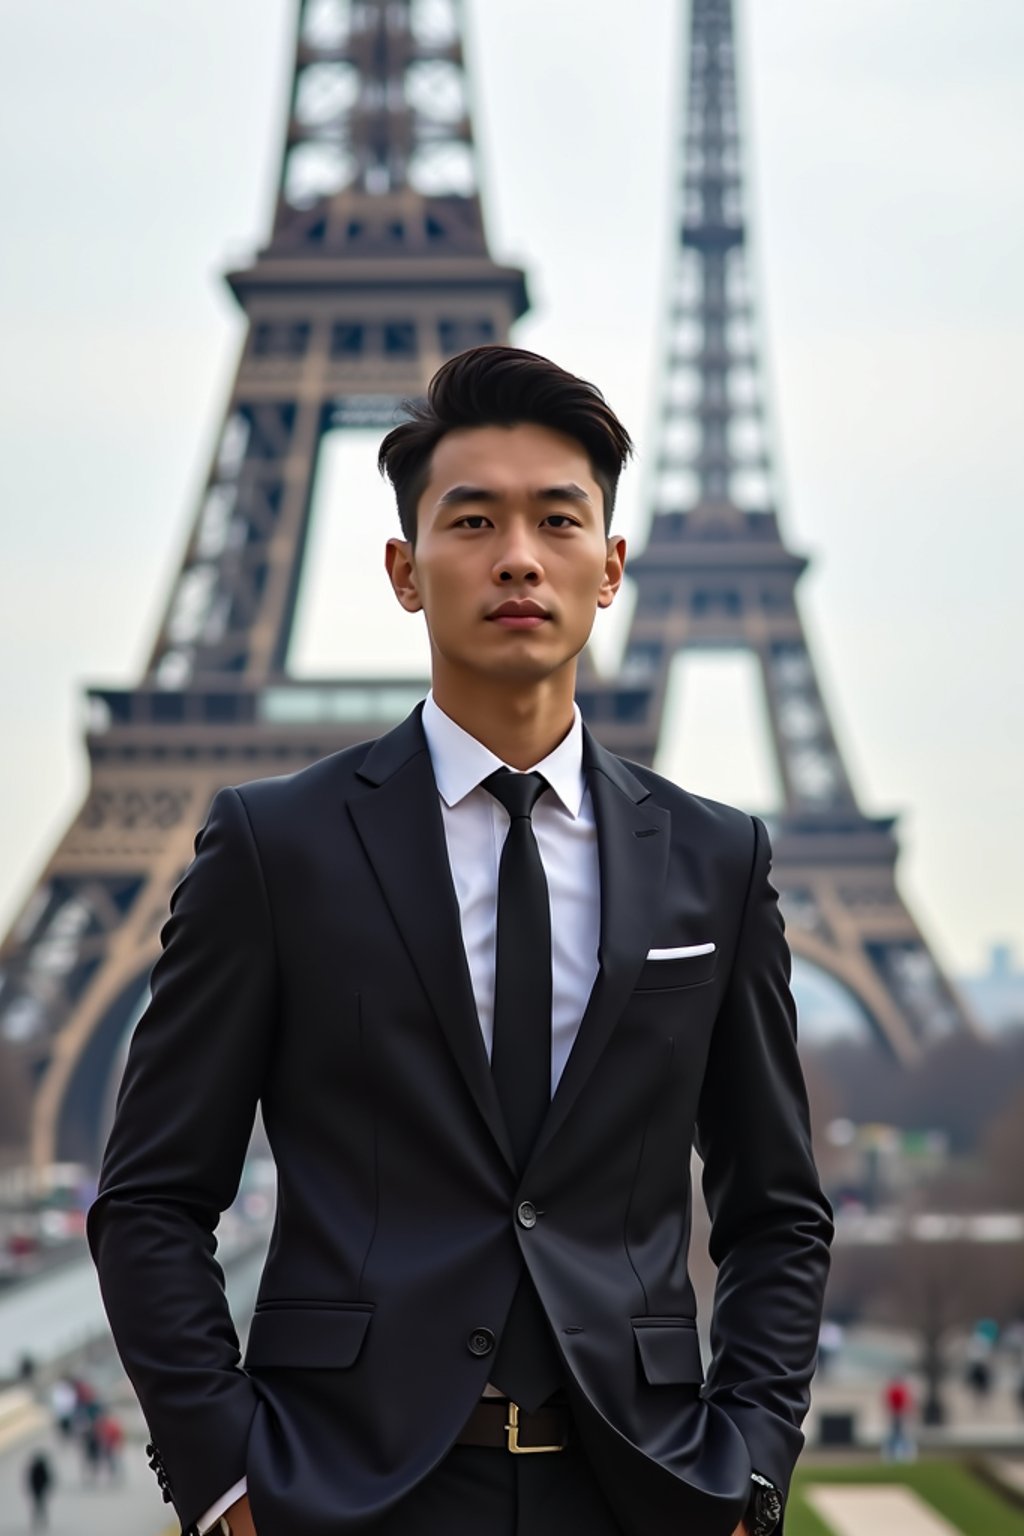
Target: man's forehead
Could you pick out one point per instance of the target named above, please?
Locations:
(508, 455)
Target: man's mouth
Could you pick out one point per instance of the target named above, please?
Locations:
(519, 614)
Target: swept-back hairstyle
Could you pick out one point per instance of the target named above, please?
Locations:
(496, 386)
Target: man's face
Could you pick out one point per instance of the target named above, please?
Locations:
(511, 560)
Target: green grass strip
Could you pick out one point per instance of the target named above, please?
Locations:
(970, 1505)
(801, 1519)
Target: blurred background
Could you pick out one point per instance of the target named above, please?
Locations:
(870, 243)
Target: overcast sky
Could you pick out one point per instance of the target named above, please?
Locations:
(138, 149)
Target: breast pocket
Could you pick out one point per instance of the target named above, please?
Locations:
(679, 971)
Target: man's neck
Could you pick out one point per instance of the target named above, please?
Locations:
(519, 724)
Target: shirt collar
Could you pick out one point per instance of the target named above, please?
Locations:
(461, 763)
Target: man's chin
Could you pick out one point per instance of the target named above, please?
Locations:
(522, 670)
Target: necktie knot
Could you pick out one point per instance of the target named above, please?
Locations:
(517, 792)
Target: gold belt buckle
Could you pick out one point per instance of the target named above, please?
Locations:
(512, 1432)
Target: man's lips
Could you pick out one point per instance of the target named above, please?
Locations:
(524, 614)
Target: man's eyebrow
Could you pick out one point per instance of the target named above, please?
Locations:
(569, 492)
(458, 494)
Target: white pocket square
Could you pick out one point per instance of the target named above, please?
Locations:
(682, 953)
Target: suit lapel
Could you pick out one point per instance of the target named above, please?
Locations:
(400, 827)
(633, 845)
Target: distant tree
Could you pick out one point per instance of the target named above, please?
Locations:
(1002, 1154)
(933, 1290)
(958, 1086)
(825, 1107)
(14, 1101)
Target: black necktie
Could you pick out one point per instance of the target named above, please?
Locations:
(521, 1052)
(526, 1367)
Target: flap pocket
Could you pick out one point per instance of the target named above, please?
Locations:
(669, 1350)
(308, 1335)
(682, 971)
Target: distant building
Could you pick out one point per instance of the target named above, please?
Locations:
(997, 995)
(872, 1167)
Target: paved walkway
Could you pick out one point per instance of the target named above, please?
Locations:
(20, 1415)
(131, 1507)
(1011, 1472)
(877, 1511)
(855, 1383)
(60, 1311)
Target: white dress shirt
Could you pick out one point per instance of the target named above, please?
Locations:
(475, 827)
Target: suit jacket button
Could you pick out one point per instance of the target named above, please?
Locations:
(526, 1214)
(480, 1341)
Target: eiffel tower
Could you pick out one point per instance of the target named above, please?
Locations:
(376, 270)
(715, 575)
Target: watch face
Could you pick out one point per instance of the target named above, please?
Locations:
(768, 1507)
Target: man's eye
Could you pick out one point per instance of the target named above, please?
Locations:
(561, 520)
(472, 520)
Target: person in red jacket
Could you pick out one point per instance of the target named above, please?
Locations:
(899, 1404)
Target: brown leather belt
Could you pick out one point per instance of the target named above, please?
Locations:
(507, 1427)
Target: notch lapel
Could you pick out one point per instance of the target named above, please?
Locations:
(399, 825)
(633, 844)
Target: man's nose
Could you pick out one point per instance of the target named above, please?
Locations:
(518, 561)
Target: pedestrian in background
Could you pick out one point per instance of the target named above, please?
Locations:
(110, 1436)
(899, 1404)
(39, 1481)
(63, 1402)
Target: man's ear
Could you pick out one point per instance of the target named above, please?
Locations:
(401, 568)
(614, 567)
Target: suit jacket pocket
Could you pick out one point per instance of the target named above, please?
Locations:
(307, 1335)
(669, 1350)
(684, 971)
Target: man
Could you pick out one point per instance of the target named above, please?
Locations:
(489, 983)
(39, 1481)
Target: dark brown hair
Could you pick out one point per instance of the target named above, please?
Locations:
(501, 387)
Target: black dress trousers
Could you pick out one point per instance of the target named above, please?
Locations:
(480, 1491)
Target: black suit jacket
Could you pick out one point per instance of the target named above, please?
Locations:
(313, 962)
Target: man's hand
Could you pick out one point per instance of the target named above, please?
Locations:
(239, 1517)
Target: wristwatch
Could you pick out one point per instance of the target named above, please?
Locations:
(765, 1508)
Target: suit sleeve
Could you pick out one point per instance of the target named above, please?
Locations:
(173, 1162)
(771, 1226)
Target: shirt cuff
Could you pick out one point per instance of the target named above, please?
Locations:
(222, 1505)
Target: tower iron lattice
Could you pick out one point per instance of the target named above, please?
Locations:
(378, 268)
(715, 575)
